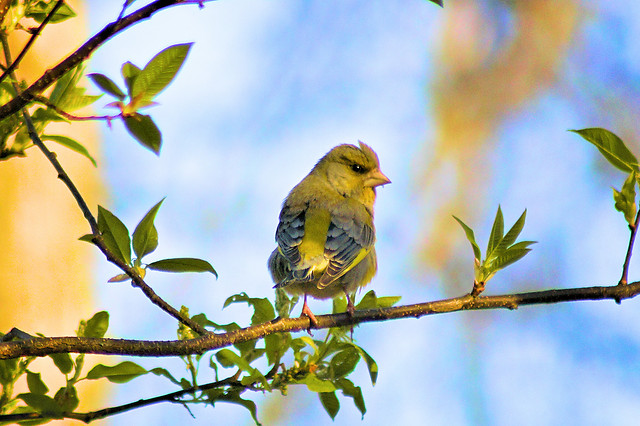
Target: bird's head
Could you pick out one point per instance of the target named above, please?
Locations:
(353, 171)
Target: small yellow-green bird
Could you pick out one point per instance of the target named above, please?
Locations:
(326, 235)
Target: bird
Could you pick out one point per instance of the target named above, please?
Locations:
(325, 236)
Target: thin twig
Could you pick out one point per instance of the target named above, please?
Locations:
(72, 117)
(97, 239)
(627, 259)
(110, 411)
(84, 51)
(41, 346)
(32, 39)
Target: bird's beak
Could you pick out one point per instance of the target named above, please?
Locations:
(376, 178)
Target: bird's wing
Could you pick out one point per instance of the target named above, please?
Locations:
(290, 232)
(348, 242)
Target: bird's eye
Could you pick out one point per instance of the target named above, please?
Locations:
(357, 168)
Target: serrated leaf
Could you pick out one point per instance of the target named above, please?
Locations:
(35, 383)
(115, 235)
(63, 362)
(43, 404)
(611, 147)
(107, 85)
(121, 373)
(510, 256)
(182, 264)
(510, 236)
(330, 403)
(72, 145)
(145, 236)
(144, 130)
(497, 231)
(471, 237)
(158, 73)
(98, 325)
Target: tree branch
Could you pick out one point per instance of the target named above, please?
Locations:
(75, 58)
(110, 411)
(11, 67)
(48, 345)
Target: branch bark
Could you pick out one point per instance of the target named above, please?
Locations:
(49, 345)
(85, 51)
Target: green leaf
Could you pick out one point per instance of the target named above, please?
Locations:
(330, 403)
(8, 370)
(388, 301)
(263, 310)
(97, 326)
(227, 358)
(276, 345)
(511, 255)
(67, 398)
(234, 397)
(371, 364)
(511, 235)
(344, 362)
(88, 238)
(130, 72)
(472, 239)
(625, 200)
(41, 9)
(46, 115)
(145, 236)
(354, 392)
(43, 404)
(438, 2)
(63, 361)
(144, 130)
(182, 264)
(368, 301)
(158, 73)
(497, 231)
(314, 384)
(107, 85)
(284, 304)
(164, 373)
(121, 373)
(71, 144)
(35, 383)
(115, 235)
(611, 147)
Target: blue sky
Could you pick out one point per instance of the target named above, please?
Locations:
(267, 89)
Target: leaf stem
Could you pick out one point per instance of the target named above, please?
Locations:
(625, 268)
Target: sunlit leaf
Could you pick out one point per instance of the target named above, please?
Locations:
(330, 403)
(107, 85)
(471, 237)
(144, 130)
(497, 231)
(67, 398)
(98, 324)
(71, 144)
(182, 264)
(43, 404)
(130, 72)
(115, 235)
(35, 383)
(121, 373)
(63, 361)
(158, 73)
(611, 147)
(145, 236)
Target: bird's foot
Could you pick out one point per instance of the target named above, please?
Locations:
(312, 318)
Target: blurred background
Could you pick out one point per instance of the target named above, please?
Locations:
(468, 108)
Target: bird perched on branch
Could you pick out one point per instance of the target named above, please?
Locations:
(326, 235)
